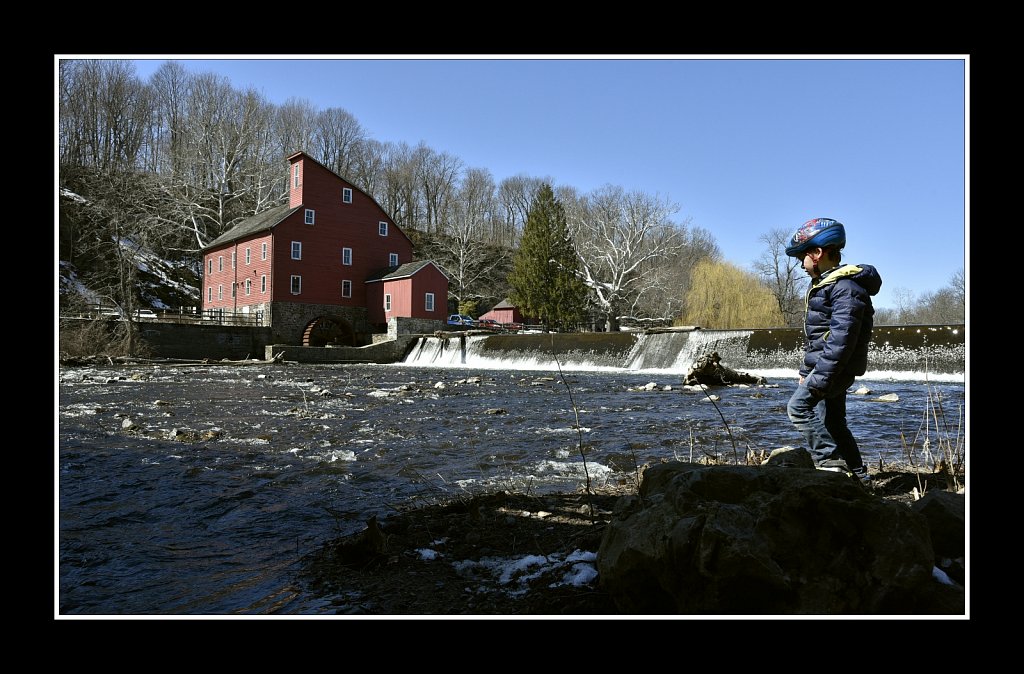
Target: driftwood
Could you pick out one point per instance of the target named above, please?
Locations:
(709, 371)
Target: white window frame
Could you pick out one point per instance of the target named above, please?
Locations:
(248, 256)
(234, 255)
(220, 263)
(310, 216)
(346, 257)
(248, 286)
(428, 301)
(295, 176)
(346, 195)
(209, 266)
(382, 228)
(263, 283)
(296, 280)
(387, 301)
(346, 284)
(220, 291)
(296, 250)
(392, 259)
(209, 291)
(263, 251)
(234, 289)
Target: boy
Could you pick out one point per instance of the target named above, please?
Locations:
(837, 328)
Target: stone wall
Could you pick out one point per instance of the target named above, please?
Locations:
(391, 351)
(180, 340)
(413, 326)
(289, 320)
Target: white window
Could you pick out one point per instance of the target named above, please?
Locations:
(346, 256)
(346, 195)
(263, 283)
(387, 302)
(296, 250)
(263, 251)
(346, 288)
(429, 303)
(234, 289)
(310, 216)
(393, 260)
(295, 175)
(382, 228)
(220, 292)
(248, 255)
(210, 265)
(209, 292)
(248, 286)
(234, 254)
(296, 285)
(220, 263)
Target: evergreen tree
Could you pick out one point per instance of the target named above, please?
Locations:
(544, 280)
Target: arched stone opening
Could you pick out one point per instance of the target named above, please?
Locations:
(328, 331)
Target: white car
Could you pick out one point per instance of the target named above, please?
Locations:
(145, 315)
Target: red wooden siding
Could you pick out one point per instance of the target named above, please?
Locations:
(408, 296)
(253, 271)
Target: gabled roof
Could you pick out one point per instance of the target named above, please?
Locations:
(257, 223)
(504, 304)
(402, 271)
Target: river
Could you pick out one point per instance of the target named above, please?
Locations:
(198, 490)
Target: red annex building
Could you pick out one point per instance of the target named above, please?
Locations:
(330, 267)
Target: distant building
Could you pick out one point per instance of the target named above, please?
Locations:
(330, 267)
(505, 312)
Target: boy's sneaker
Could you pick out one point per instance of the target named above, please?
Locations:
(862, 474)
(834, 466)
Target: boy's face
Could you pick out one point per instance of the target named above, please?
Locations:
(811, 258)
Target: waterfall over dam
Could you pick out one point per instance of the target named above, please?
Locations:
(909, 351)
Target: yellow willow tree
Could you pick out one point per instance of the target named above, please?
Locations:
(723, 296)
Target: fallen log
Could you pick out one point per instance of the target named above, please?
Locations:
(709, 371)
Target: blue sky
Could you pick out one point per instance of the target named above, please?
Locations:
(742, 145)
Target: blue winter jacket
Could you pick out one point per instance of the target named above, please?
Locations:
(837, 326)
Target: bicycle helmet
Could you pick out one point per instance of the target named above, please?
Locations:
(816, 233)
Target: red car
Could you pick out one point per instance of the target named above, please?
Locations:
(488, 324)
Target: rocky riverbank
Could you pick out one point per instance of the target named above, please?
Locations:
(506, 554)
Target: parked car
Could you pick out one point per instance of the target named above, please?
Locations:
(461, 319)
(145, 315)
(488, 324)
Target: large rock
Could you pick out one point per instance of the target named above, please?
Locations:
(945, 512)
(767, 540)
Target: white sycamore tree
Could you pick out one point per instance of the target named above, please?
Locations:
(620, 238)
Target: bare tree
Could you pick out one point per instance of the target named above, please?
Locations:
(958, 286)
(617, 235)
(336, 136)
(104, 112)
(516, 195)
(668, 280)
(436, 176)
(228, 153)
(367, 168)
(904, 301)
(782, 274)
(169, 87)
(294, 126)
(399, 191)
(461, 249)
